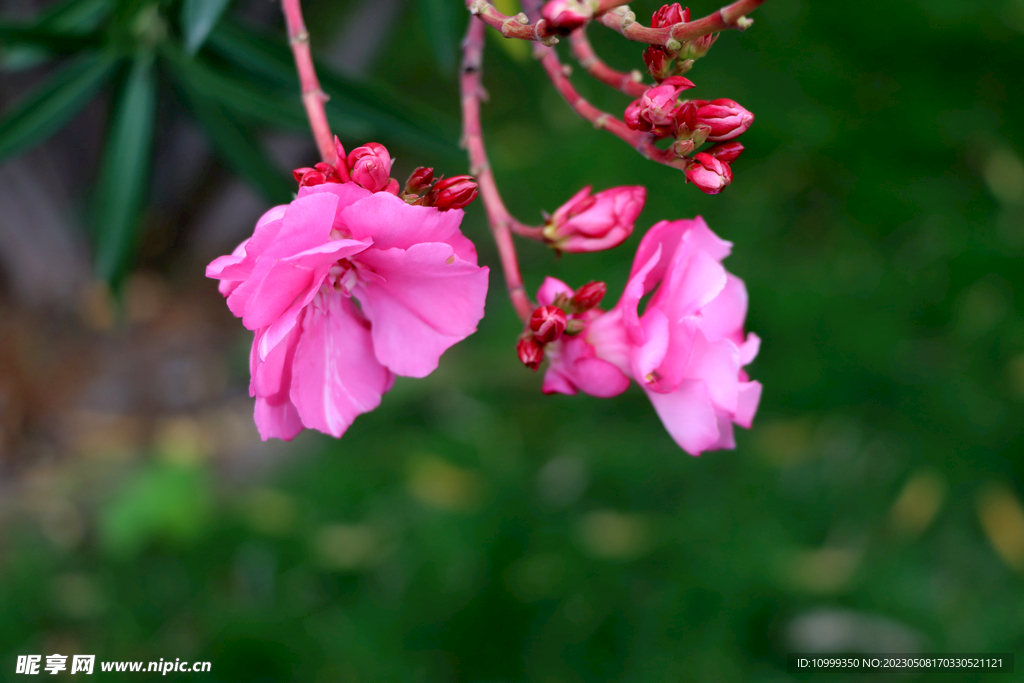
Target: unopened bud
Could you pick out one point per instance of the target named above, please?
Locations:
(726, 119)
(589, 295)
(598, 222)
(575, 326)
(547, 323)
(452, 193)
(698, 47)
(709, 174)
(531, 352)
(299, 172)
(308, 177)
(659, 62)
(392, 187)
(726, 151)
(370, 166)
(657, 108)
(330, 174)
(666, 15)
(566, 15)
(421, 179)
(683, 148)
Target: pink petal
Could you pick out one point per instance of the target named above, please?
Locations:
(650, 355)
(746, 404)
(277, 421)
(294, 280)
(394, 224)
(306, 224)
(723, 317)
(555, 382)
(335, 375)
(347, 193)
(688, 416)
(429, 300)
(550, 289)
(749, 349)
(692, 281)
(635, 290)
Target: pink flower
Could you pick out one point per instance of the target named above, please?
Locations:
(726, 118)
(318, 360)
(593, 223)
(687, 350)
(711, 175)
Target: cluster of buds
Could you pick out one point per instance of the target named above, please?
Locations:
(566, 315)
(675, 59)
(663, 113)
(422, 189)
(369, 167)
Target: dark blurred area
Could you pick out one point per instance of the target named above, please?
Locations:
(471, 529)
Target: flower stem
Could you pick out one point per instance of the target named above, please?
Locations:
(630, 83)
(313, 96)
(729, 17)
(501, 221)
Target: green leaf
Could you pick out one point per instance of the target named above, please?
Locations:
(238, 149)
(237, 95)
(198, 17)
(44, 110)
(383, 114)
(440, 22)
(62, 30)
(124, 173)
(77, 16)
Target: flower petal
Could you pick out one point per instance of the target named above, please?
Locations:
(294, 280)
(335, 375)
(394, 224)
(277, 421)
(746, 404)
(428, 300)
(550, 289)
(688, 416)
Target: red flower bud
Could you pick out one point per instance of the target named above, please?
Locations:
(669, 14)
(548, 323)
(330, 174)
(726, 118)
(657, 108)
(392, 187)
(658, 61)
(589, 295)
(371, 166)
(299, 172)
(566, 15)
(452, 193)
(709, 174)
(420, 180)
(531, 352)
(309, 177)
(726, 151)
(595, 223)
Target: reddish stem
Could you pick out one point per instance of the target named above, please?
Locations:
(630, 83)
(618, 17)
(313, 96)
(501, 221)
(729, 17)
(511, 27)
(641, 142)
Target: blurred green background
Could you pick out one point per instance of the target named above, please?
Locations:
(472, 529)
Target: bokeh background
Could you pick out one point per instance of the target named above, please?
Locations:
(472, 529)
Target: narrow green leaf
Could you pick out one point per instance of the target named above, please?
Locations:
(61, 30)
(439, 20)
(239, 150)
(198, 17)
(237, 95)
(124, 175)
(77, 16)
(43, 111)
(384, 114)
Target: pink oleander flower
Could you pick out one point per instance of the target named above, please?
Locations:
(726, 118)
(686, 350)
(710, 174)
(318, 359)
(598, 222)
